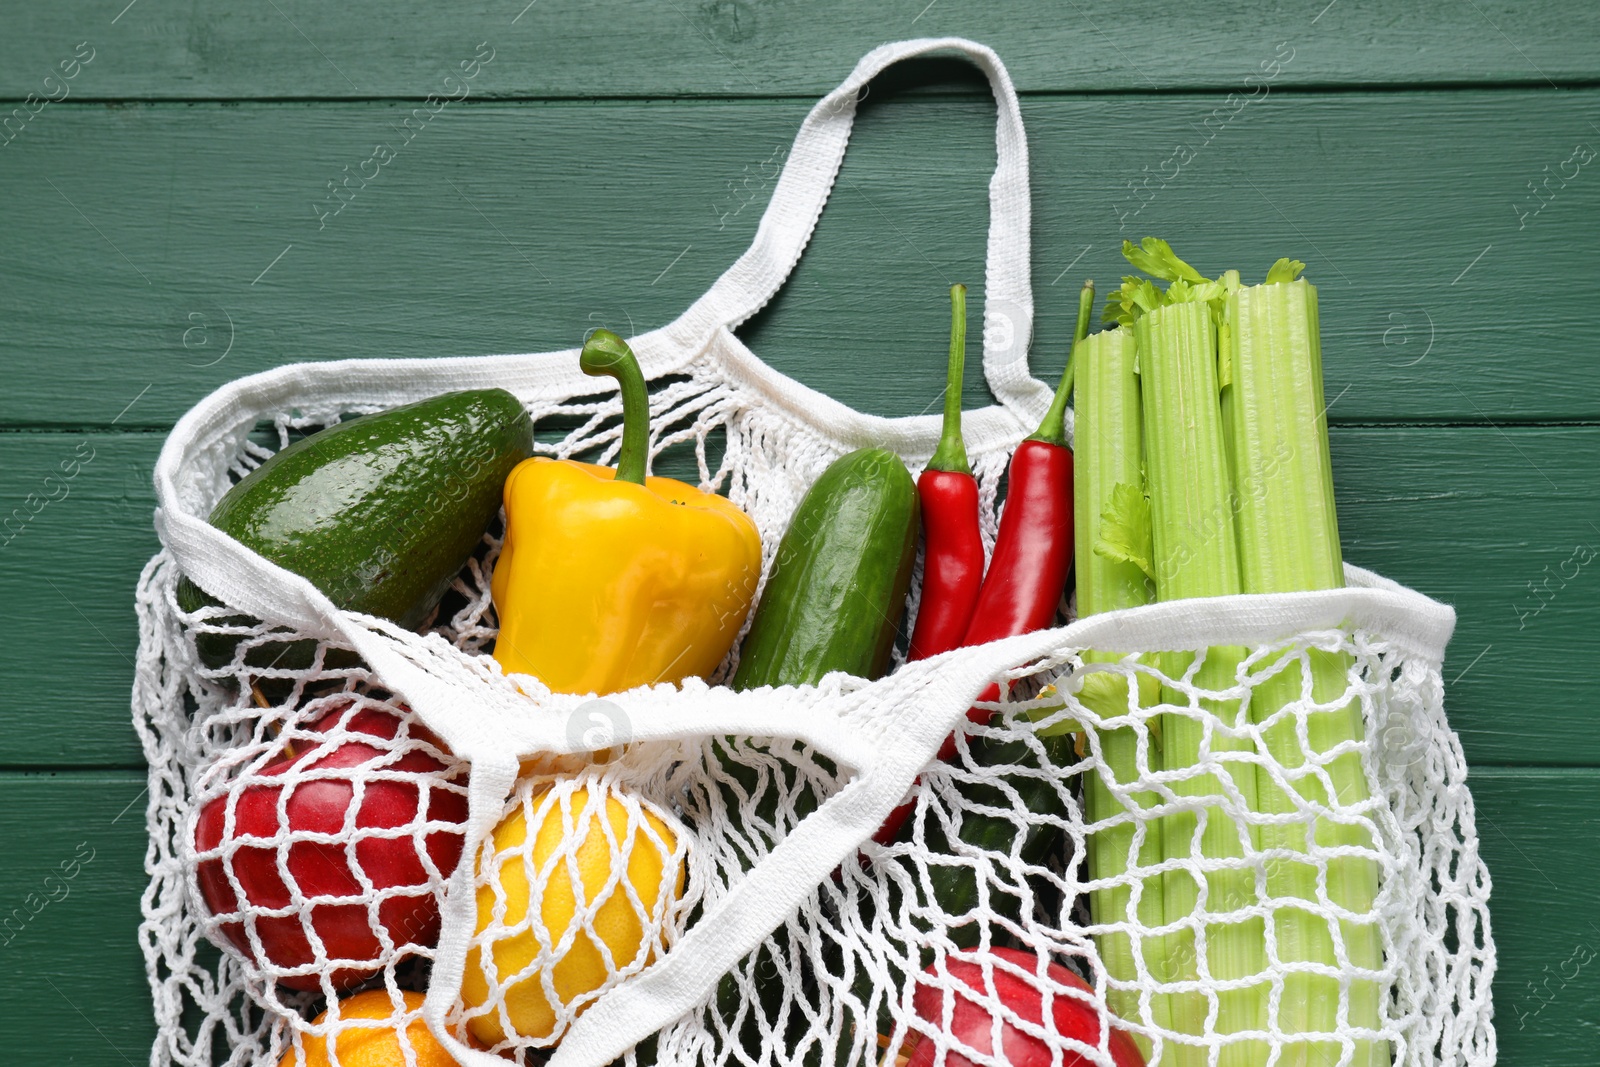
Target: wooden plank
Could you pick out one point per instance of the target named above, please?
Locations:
(72, 555)
(73, 981)
(1461, 513)
(1539, 831)
(297, 48)
(75, 991)
(1501, 524)
(189, 237)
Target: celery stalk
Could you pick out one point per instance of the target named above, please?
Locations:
(1195, 555)
(1107, 452)
(1289, 541)
(1107, 456)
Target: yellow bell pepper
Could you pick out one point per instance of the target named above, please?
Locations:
(609, 579)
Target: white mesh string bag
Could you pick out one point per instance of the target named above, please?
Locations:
(707, 891)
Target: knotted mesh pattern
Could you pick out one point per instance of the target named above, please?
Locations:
(321, 852)
(1041, 836)
(204, 718)
(580, 886)
(1067, 784)
(377, 1026)
(319, 849)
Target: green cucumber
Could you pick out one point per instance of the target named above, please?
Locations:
(379, 512)
(833, 602)
(838, 586)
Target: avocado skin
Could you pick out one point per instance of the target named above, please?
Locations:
(379, 512)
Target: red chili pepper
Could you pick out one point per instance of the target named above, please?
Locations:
(1034, 548)
(1032, 551)
(952, 558)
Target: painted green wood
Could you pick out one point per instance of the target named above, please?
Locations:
(298, 48)
(1462, 513)
(154, 252)
(73, 986)
(1539, 832)
(1501, 523)
(180, 229)
(75, 531)
(71, 971)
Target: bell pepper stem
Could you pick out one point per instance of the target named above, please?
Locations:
(607, 355)
(951, 453)
(1053, 428)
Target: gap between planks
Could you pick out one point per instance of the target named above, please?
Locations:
(977, 91)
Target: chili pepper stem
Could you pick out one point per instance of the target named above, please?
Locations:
(1053, 428)
(951, 453)
(607, 355)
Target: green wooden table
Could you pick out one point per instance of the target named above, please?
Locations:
(179, 211)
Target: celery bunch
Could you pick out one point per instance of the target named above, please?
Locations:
(1203, 470)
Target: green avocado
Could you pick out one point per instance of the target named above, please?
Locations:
(379, 512)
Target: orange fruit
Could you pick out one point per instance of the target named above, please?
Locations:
(518, 872)
(372, 1046)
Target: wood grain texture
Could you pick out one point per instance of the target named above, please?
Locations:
(1502, 524)
(1538, 832)
(71, 971)
(613, 158)
(190, 242)
(1461, 513)
(70, 559)
(297, 48)
(74, 989)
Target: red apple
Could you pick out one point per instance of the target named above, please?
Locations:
(393, 773)
(972, 1021)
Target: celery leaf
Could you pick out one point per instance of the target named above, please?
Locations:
(1104, 692)
(1285, 270)
(1142, 294)
(1125, 529)
(1136, 297)
(1118, 310)
(1156, 258)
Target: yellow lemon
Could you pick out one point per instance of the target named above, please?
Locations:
(373, 1046)
(563, 842)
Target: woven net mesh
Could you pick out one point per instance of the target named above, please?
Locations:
(1207, 841)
